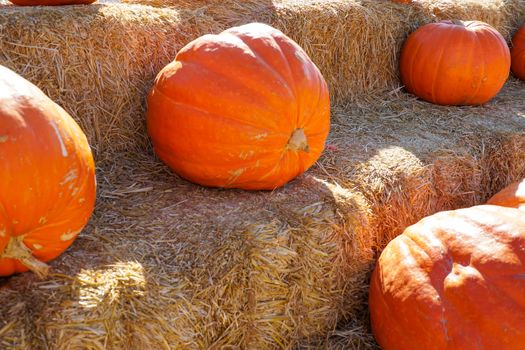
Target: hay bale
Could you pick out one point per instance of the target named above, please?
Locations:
(78, 56)
(168, 264)
(165, 263)
(412, 159)
(355, 44)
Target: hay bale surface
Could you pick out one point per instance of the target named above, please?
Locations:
(97, 61)
(355, 43)
(167, 264)
(78, 56)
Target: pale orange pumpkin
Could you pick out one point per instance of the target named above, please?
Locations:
(246, 108)
(47, 182)
(455, 62)
(453, 281)
(518, 53)
(512, 196)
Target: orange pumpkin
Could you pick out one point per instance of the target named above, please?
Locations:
(455, 280)
(47, 182)
(246, 108)
(51, 2)
(512, 196)
(518, 53)
(455, 62)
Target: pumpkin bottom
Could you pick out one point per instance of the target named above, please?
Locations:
(518, 68)
(266, 173)
(10, 267)
(457, 96)
(269, 178)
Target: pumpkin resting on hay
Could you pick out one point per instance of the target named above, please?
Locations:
(512, 196)
(518, 53)
(455, 280)
(246, 108)
(47, 182)
(455, 62)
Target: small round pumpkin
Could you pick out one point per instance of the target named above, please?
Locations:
(518, 53)
(455, 62)
(243, 109)
(47, 182)
(454, 280)
(512, 196)
(51, 2)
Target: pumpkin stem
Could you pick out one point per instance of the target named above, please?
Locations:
(16, 249)
(458, 22)
(298, 141)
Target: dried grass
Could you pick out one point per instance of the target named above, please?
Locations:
(97, 61)
(411, 159)
(166, 264)
(355, 43)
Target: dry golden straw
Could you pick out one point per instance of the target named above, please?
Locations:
(165, 264)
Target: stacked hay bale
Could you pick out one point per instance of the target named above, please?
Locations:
(167, 264)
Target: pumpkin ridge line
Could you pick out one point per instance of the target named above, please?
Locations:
(240, 84)
(320, 89)
(424, 251)
(290, 72)
(230, 119)
(437, 69)
(260, 59)
(482, 75)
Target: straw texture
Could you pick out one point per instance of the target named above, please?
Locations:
(165, 264)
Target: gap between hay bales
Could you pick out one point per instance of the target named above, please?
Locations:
(166, 264)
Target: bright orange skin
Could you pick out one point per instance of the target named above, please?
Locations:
(518, 53)
(224, 111)
(455, 281)
(51, 2)
(450, 64)
(47, 182)
(512, 196)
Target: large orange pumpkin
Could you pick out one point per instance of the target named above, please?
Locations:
(455, 62)
(518, 53)
(51, 2)
(455, 280)
(512, 196)
(246, 108)
(47, 181)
